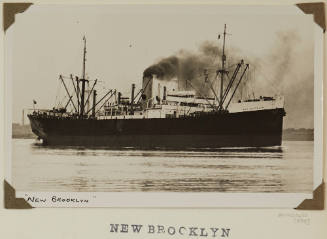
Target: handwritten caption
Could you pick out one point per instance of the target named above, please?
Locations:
(55, 199)
(299, 218)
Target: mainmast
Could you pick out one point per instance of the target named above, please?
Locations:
(222, 71)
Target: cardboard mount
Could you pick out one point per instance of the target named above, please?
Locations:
(317, 9)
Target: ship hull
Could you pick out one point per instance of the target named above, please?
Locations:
(243, 129)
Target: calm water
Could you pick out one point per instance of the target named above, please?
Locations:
(277, 169)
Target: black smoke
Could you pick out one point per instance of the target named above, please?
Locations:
(166, 68)
(189, 68)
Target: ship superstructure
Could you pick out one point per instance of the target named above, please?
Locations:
(161, 114)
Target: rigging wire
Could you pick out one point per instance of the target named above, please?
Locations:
(203, 85)
(200, 94)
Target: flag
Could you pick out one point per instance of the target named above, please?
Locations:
(34, 102)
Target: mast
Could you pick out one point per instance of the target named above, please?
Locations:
(84, 57)
(222, 73)
(83, 80)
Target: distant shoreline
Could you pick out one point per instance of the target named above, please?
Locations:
(22, 132)
(298, 134)
(290, 134)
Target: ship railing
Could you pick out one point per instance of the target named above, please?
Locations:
(36, 111)
(50, 113)
(121, 117)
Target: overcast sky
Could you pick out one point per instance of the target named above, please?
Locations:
(122, 41)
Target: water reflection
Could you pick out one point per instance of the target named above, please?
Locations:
(36, 144)
(269, 169)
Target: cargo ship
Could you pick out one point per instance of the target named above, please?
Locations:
(162, 115)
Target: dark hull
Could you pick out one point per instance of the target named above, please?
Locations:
(244, 129)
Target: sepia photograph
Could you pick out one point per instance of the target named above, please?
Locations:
(162, 99)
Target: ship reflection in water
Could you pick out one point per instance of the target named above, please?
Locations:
(275, 169)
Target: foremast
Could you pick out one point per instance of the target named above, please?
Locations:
(83, 80)
(82, 97)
